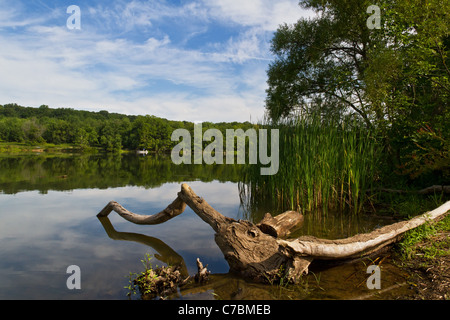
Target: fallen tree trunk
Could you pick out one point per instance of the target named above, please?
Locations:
(256, 251)
(435, 189)
(361, 244)
(425, 191)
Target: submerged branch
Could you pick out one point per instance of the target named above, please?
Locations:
(425, 191)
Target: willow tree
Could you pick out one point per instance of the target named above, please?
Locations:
(320, 62)
(394, 76)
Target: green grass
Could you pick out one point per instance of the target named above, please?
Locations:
(323, 164)
(408, 205)
(410, 244)
(22, 147)
(17, 147)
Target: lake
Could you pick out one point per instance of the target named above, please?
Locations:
(48, 222)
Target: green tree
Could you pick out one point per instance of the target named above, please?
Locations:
(86, 137)
(60, 131)
(141, 134)
(395, 79)
(11, 130)
(162, 134)
(151, 133)
(110, 138)
(320, 62)
(33, 131)
(407, 81)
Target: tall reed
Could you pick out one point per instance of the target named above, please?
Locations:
(323, 164)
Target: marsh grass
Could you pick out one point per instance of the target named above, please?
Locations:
(410, 244)
(324, 164)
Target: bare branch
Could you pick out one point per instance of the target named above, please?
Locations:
(174, 209)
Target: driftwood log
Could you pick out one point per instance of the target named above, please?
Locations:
(425, 191)
(281, 225)
(257, 252)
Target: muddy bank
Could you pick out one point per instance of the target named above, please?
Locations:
(429, 276)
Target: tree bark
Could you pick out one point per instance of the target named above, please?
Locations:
(425, 191)
(281, 225)
(174, 209)
(202, 275)
(361, 244)
(256, 251)
(433, 189)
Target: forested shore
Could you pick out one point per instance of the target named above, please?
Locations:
(87, 130)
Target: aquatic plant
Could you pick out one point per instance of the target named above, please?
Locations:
(324, 163)
(155, 281)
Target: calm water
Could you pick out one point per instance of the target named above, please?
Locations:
(48, 222)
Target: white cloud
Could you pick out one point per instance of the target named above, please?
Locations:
(242, 49)
(219, 108)
(125, 58)
(264, 14)
(11, 15)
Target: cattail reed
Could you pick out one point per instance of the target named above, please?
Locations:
(324, 164)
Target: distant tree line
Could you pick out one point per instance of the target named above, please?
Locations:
(111, 132)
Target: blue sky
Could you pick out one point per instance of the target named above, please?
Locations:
(194, 60)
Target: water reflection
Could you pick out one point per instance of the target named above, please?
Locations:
(325, 281)
(48, 222)
(42, 234)
(68, 172)
(164, 253)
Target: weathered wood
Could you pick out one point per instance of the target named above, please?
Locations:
(425, 191)
(250, 252)
(361, 244)
(202, 208)
(202, 275)
(434, 189)
(281, 225)
(261, 256)
(174, 209)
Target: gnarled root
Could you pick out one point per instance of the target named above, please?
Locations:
(256, 251)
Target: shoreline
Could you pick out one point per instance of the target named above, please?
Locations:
(428, 263)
